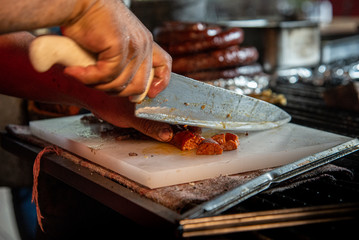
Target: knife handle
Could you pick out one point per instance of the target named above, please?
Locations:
(45, 51)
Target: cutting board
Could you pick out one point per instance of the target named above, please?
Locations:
(161, 164)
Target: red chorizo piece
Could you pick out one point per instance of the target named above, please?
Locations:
(219, 138)
(232, 142)
(230, 37)
(209, 147)
(186, 140)
(228, 141)
(224, 58)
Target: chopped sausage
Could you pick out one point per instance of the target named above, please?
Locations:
(209, 147)
(220, 138)
(232, 137)
(228, 141)
(186, 140)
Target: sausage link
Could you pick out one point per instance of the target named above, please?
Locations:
(175, 32)
(184, 26)
(229, 73)
(224, 58)
(230, 37)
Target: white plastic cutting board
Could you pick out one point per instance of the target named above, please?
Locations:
(161, 164)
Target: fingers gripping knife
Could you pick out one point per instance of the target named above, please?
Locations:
(46, 51)
(184, 101)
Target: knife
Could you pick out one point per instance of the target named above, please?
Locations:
(185, 101)
(191, 102)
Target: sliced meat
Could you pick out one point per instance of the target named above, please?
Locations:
(186, 140)
(227, 141)
(209, 147)
(219, 138)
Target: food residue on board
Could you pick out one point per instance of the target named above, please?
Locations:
(111, 131)
(184, 138)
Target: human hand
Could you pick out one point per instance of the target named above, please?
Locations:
(119, 111)
(125, 51)
(54, 86)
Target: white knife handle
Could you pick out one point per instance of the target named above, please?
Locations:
(45, 51)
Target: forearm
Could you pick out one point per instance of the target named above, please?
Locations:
(28, 15)
(124, 48)
(19, 79)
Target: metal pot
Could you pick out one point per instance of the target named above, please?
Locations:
(282, 44)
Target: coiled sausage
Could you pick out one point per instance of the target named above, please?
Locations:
(176, 32)
(228, 73)
(216, 59)
(233, 36)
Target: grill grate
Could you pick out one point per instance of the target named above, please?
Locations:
(307, 108)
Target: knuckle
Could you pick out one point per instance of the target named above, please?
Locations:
(146, 126)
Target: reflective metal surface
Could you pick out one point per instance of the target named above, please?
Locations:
(278, 175)
(190, 102)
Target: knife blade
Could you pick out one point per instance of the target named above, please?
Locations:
(190, 102)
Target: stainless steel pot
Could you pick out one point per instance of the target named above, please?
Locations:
(282, 44)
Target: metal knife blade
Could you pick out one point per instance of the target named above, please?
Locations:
(190, 102)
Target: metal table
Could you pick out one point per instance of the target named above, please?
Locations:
(250, 217)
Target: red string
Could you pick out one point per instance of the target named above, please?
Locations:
(36, 171)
